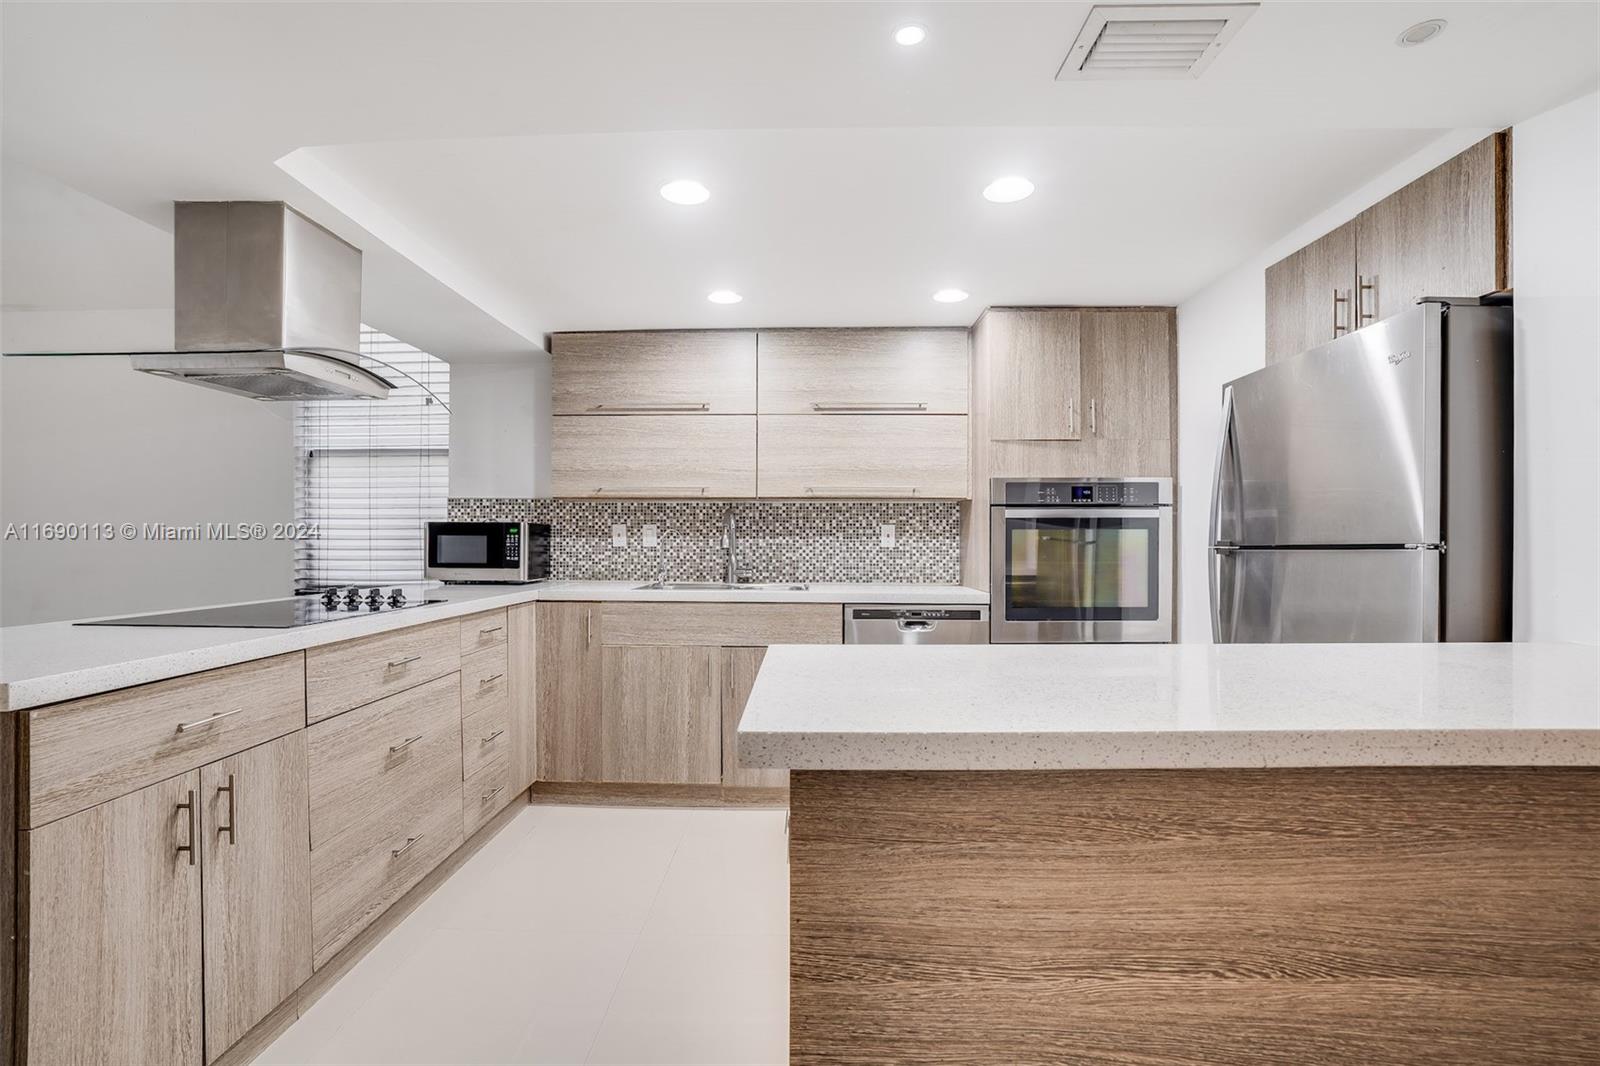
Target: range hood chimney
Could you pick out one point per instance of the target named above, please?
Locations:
(268, 305)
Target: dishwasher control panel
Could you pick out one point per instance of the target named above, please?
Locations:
(909, 624)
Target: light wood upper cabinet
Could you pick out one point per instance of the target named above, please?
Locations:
(1127, 371)
(522, 677)
(1442, 235)
(661, 718)
(1310, 294)
(1445, 234)
(112, 947)
(864, 456)
(739, 669)
(569, 691)
(654, 456)
(805, 371)
(655, 372)
(257, 886)
(1033, 374)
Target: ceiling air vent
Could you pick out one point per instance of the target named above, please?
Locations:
(1152, 41)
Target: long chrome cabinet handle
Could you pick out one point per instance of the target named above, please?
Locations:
(916, 405)
(188, 805)
(492, 737)
(410, 843)
(1338, 300)
(233, 817)
(492, 793)
(1363, 286)
(491, 629)
(395, 749)
(491, 679)
(862, 490)
(624, 407)
(649, 491)
(1092, 430)
(588, 626)
(185, 727)
(395, 664)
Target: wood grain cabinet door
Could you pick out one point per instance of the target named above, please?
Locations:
(1127, 357)
(569, 691)
(739, 669)
(654, 372)
(522, 677)
(256, 854)
(654, 456)
(661, 715)
(905, 371)
(864, 456)
(112, 952)
(1033, 369)
(1311, 294)
(1442, 235)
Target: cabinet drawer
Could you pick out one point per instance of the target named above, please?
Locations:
(374, 759)
(480, 632)
(484, 685)
(721, 624)
(654, 456)
(356, 878)
(485, 794)
(905, 371)
(864, 456)
(484, 737)
(702, 371)
(342, 676)
(88, 751)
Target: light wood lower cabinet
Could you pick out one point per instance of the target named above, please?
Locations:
(654, 456)
(111, 926)
(256, 886)
(522, 685)
(569, 691)
(739, 668)
(660, 718)
(356, 672)
(863, 456)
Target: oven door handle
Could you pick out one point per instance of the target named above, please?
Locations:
(1069, 511)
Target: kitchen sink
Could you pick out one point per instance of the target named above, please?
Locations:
(719, 586)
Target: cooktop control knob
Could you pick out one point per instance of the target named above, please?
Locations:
(374, 598)
(352, 597)
(397, 598)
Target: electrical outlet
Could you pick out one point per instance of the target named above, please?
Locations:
(650, 536)
(886, 535)
(619, 536)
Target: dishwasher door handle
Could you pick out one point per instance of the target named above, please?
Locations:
(914, 625)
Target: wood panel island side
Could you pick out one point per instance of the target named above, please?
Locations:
(1189, 854)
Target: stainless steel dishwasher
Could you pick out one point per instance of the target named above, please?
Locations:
(888, 623)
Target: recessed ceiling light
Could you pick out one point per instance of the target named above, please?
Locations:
(723, 296)
(685, 192)
(1421, 33)
(910, 35)
(1008, 190)
(950, 296)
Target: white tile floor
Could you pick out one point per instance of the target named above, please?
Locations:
(579, 935)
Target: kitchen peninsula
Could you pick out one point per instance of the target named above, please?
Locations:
(1189, 853)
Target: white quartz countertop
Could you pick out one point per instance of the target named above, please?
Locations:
(55, 661)
(1179, 706)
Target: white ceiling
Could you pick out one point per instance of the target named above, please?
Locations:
(498, 161)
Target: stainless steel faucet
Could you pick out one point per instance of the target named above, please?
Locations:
(730, 541)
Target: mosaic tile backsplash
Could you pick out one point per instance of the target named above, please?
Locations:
(819, 541)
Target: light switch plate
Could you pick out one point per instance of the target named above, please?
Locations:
(886, 535)
(619, 536)
(650, 535)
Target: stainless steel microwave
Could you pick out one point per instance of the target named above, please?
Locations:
(487, 552)
(1080, 560)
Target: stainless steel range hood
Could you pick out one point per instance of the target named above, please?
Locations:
(268, 305)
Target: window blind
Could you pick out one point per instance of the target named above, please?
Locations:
(369, 473)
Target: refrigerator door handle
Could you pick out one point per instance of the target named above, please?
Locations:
(1223, 556)
(1223, 439)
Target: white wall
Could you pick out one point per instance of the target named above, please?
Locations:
(86, 439)
(1222, 334)
(500, 428)
(1555, 265)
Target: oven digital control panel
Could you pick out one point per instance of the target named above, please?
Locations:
(1088, 492)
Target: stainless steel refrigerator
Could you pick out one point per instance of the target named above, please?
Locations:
(1363, 488)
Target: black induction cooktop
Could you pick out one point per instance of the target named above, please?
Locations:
(295, 611)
